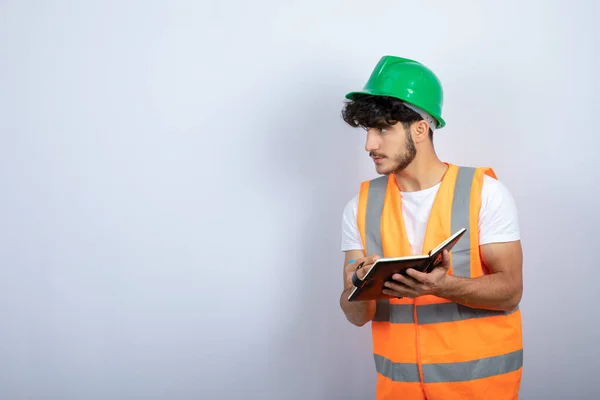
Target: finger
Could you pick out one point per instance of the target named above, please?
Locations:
(419, 276)
(405, 292)
(362, 271)
(353, 265)
(445, 259)
(406, 280)
(371, 259)
(392, 293)
(400, 288)
(363, 268)
(359, 268)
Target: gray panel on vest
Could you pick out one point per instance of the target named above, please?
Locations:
(461, 206)
(382, 311)
(377, 189)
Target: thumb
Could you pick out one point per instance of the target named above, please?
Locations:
(445, 259)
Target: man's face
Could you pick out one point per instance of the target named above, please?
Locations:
(391, 148)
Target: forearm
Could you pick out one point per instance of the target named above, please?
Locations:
(357, 312)
(495, 291)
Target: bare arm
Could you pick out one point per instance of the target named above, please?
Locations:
(501, 289)
(357, 312)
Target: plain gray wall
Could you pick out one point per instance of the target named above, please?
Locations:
(173, 175)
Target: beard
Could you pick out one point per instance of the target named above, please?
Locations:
(399, 161)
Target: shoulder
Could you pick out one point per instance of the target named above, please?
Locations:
(493, 192)
(351, 239)
(492, 185)
(351, 209)
(498, 216)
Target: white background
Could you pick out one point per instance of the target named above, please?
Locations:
(173, 175)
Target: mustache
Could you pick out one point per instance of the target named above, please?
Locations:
(373, 154)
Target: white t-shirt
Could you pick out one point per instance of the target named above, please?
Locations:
(498, 218)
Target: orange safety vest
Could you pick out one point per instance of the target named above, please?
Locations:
(428, 347)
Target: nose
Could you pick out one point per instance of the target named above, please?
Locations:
(372, 143)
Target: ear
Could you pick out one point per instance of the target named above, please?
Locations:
(420, 131)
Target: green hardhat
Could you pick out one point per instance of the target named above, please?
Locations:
(407, 80)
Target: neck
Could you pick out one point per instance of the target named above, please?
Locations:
(422, 173)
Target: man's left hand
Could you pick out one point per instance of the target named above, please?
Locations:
(419, 283)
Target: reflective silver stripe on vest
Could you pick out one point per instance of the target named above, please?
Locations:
(377, 189)
(376, 193)
(432, 313)
(398, 372)
(461, 208)
(450, 372)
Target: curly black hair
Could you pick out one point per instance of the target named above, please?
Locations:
(368, 111)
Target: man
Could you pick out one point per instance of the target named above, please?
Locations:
(454, 333)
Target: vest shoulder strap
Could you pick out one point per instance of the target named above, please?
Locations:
(376, 197)
(461, 218)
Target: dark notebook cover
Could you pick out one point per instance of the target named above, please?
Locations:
(384, 268)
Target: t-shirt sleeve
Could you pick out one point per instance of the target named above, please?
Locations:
(498, 217)
(350, 235)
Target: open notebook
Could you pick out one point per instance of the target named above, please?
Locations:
(383, 269)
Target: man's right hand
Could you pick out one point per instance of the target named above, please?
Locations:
(357, 312)
(350, 268)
